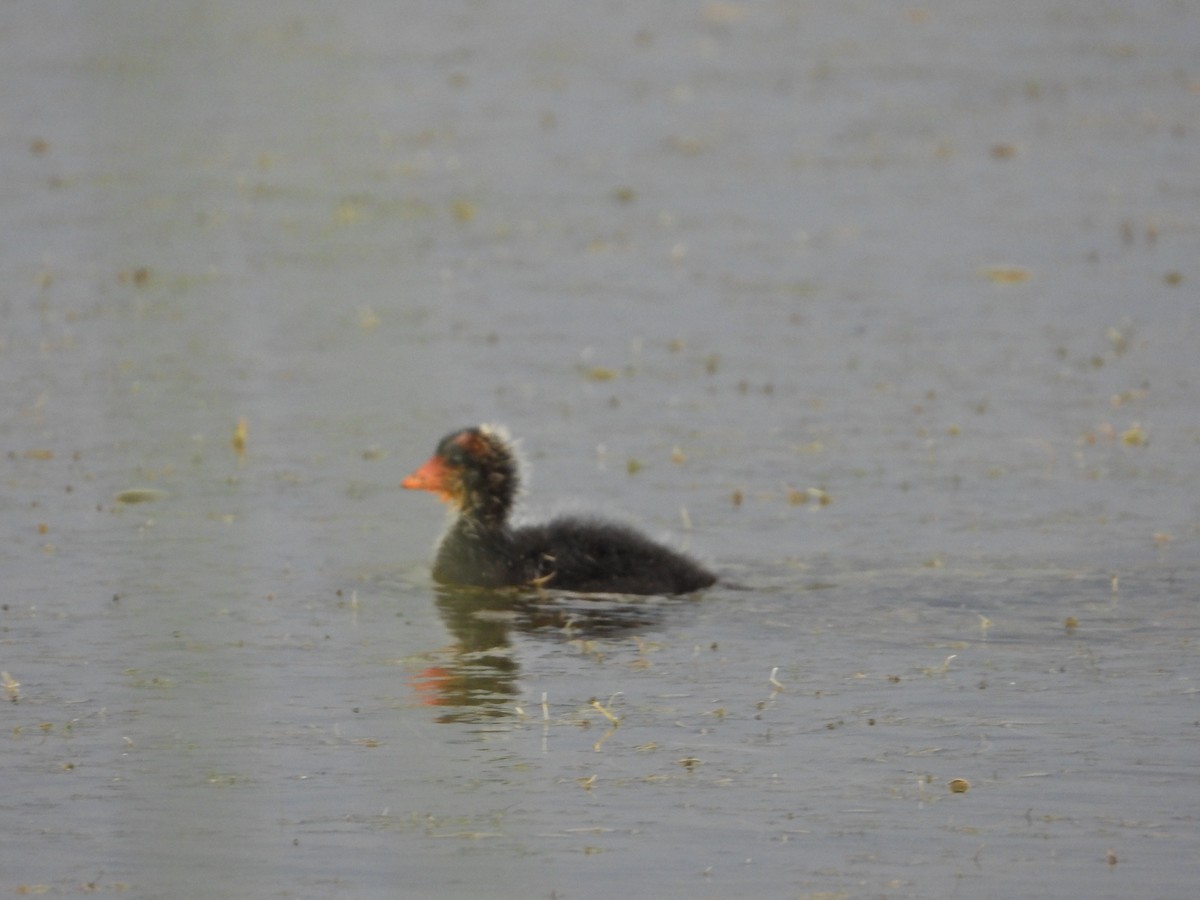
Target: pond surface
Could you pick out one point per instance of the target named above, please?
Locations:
(888, 314)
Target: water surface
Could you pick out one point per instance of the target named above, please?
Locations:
(889, 314)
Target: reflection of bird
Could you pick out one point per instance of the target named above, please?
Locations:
(475, 470)
(479, 673)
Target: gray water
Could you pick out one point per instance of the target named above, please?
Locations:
(889, 314)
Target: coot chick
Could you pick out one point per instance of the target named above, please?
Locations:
(476, 471)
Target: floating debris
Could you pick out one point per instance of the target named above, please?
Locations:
(604, 711)
(773, 681)
(1006, 274)
(1119, 336)
(1134, 436)
(596, 747)
(138, 277)
(239, 437)
(11, 687)
(1129, 396)
(958, 785)
(140, 495)
(943, 668)
(464, 210)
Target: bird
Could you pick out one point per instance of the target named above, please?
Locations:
(477, 472)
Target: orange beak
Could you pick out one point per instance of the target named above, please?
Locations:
(431, 476)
